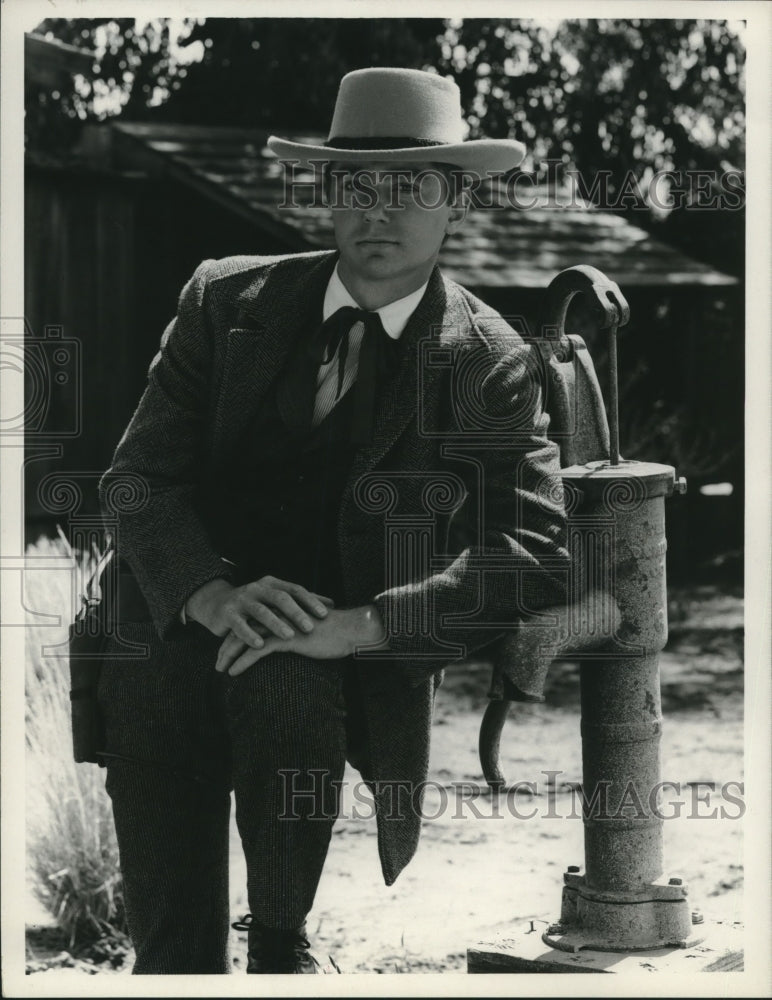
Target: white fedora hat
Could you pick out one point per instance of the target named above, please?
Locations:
(402, 115)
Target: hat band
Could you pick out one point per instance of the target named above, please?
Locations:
(379, 142)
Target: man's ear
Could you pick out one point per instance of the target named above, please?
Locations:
(458, 211)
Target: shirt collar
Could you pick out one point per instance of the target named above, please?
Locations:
(394, 315)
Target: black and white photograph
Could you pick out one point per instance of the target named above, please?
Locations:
(385, 498)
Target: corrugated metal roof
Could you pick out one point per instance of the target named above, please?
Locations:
(507, 246)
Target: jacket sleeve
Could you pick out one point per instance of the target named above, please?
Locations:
(147, 494)
(509, 533)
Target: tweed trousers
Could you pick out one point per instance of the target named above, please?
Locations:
(179, 737)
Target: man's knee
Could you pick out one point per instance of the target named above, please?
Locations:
(289, 708)
(285, 687)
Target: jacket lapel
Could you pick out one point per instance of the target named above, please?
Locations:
(275, 309)
(272, 313)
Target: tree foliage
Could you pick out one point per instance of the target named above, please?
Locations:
(605, 93)
(627, 98)
(134, 68)
(600, 93)
(271, 72)
(229, 71)
(620, 98)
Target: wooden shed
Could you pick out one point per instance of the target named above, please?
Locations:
(113, 233)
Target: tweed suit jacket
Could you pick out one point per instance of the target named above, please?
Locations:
(452, 520)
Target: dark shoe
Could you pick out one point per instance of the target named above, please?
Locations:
(279, 952)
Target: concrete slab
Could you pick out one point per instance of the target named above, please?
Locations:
(521, 949)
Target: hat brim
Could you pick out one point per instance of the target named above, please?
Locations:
(485, 156)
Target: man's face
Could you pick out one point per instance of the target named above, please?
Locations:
(390, 220)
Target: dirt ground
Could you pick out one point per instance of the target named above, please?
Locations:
(480, 870)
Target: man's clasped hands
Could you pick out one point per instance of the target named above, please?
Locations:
(271, 615)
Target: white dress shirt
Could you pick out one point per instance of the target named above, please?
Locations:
(394, 317)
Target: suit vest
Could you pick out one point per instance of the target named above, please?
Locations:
(276, 510)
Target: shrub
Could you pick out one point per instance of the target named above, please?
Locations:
(72, 853)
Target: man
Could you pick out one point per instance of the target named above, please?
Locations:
(344, 484)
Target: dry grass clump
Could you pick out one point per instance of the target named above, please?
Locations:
(72, 853)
